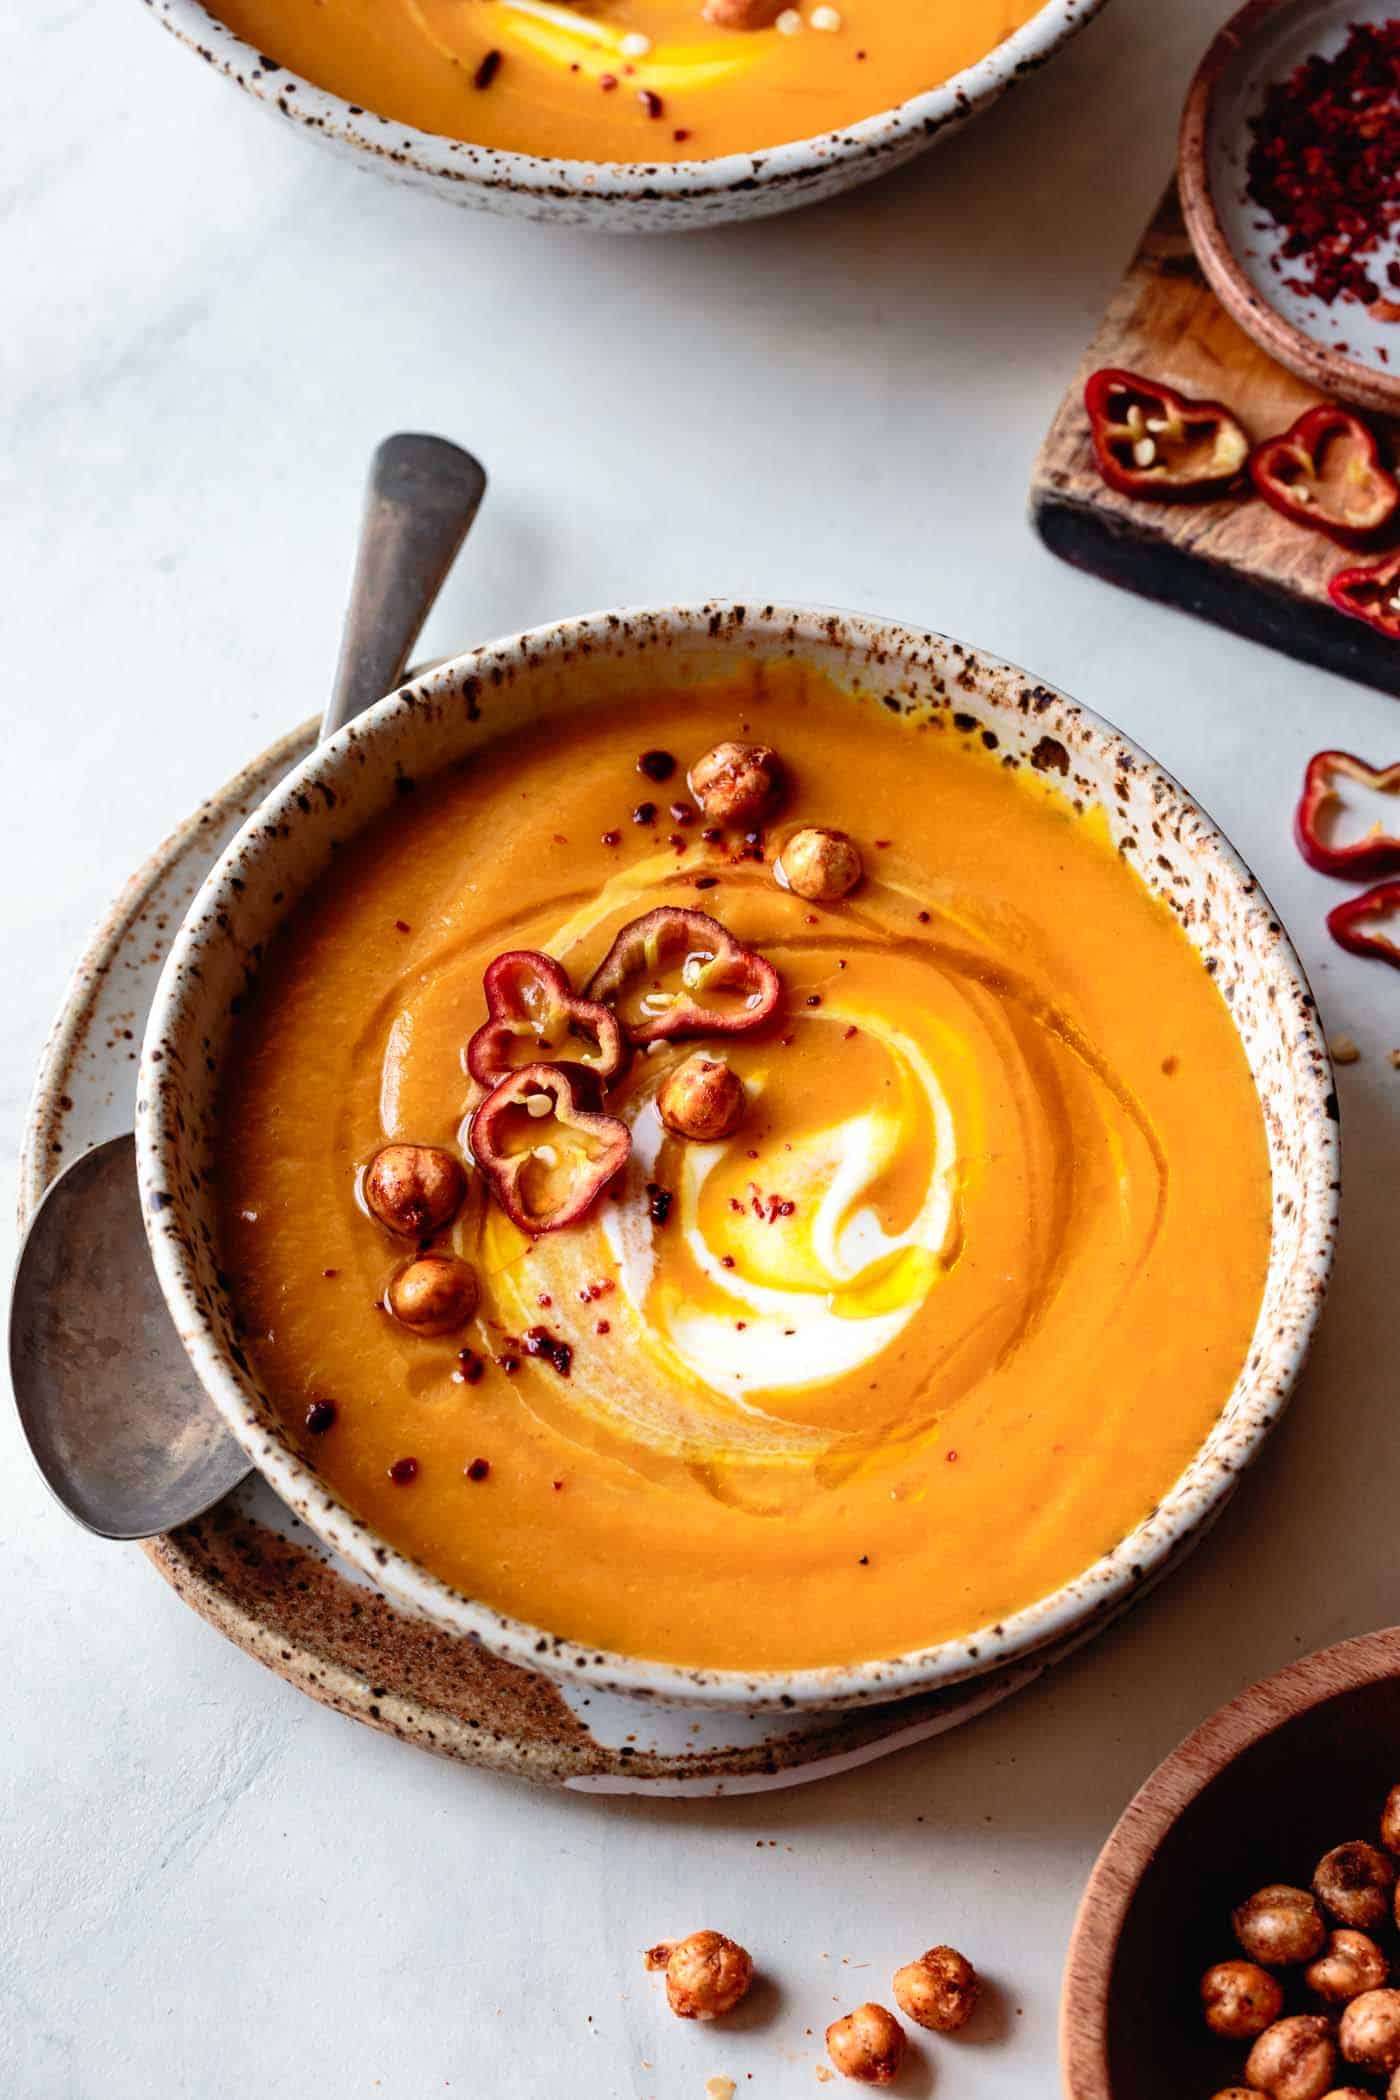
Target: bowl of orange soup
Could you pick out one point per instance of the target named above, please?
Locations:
(741, 1154)
(636, 115)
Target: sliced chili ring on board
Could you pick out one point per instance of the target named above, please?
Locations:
(1370, 591)
(1151, 441)
(1326, 472)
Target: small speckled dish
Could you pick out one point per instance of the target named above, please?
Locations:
(1339, 348)
(630, 197)
(442, 717)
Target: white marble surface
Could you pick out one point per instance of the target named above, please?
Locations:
(207, 1885)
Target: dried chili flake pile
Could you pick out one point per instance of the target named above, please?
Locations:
(1325, 166)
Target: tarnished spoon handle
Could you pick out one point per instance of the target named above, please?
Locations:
(423, 494)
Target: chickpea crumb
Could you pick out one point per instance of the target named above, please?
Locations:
(706, 1974)
(819, 864)
(1280, 1925)
(1240, 1999)
(737, 783)
(703, 1099)
(938, 1991)
(1294, 2059)
(413, 1189)
(867, 2045)
(433, 1294)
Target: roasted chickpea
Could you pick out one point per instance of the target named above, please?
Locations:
(737, 783)
(703, 1099)
(1390, 1821)
(940, 1990)
(1279, 1925)
(1354, 1881)
(1347, 2092)
(1370, 2031)
(1348, 1965)
(867, 2045)
(819, 865)
(1294, 2059)
(433, 1294)
(1239, 1999)
(414, 1189)
(706, 1974)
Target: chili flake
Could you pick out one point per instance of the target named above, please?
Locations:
(1325, 163)
(538, 1341)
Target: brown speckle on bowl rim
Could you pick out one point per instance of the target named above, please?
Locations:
(941, 687)
(630, 197)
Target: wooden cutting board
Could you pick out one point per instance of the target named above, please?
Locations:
(1235, 561)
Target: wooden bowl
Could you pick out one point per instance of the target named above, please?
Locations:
(1339, 349)
(1295, 1765)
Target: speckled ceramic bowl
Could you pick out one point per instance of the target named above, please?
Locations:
(630, 197)
(569, 667)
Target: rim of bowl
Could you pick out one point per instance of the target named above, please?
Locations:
(537, 175)
(1331, 371)
(1094, 1592)
(1183, 1775)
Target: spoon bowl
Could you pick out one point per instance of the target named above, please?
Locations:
(122, 1430)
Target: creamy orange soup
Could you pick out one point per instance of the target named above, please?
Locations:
(932, 1329)
(623, 80)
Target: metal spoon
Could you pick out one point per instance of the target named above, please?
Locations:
(121, 1428)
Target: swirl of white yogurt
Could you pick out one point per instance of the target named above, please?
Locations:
(860, 1284)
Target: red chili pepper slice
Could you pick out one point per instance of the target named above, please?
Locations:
(534, 1016)
(1377, 851)
(717, 987)
(545, 1158)
(1151, 441)
(1370, 591)
(1326, 471)
(1354, 926)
